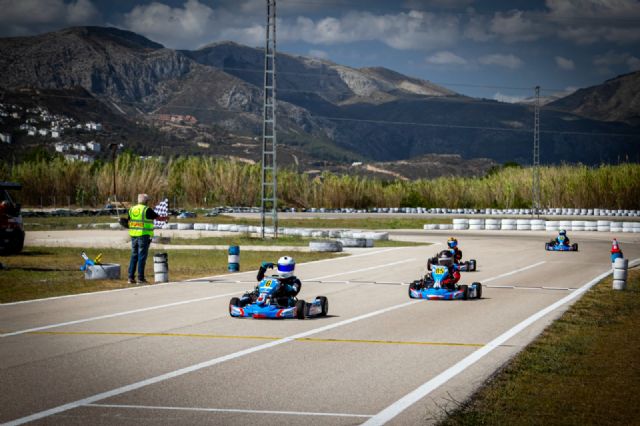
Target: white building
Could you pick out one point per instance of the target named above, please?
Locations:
(61, 147)
(93, 126)
(79, 147)
(43, 132)
(56, 133)
(5, 137)
(94, 146)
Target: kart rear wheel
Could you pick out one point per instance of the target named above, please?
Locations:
(465, 291)
(414, 286)
(478, 290)
(547, 246)
(324, 303)
(575, 246)
(472, 263)
(301, 305)
(233, 302)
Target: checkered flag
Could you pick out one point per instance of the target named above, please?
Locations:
(162, 210)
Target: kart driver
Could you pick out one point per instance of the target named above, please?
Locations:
(446, 258)
(291, 285)
(453, 245)
(562, 238)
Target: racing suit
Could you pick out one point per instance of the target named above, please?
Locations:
(562, 241)
(290, 286)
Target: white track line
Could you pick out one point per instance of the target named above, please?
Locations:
(228, 410)
(405, 402)
(513, 272)
(194, 280)
(117, 314)
(135, 311)
(364, 269)
(196, 367)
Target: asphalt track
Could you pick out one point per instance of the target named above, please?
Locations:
(170, 353)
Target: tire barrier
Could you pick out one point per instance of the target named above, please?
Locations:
(460, 224)
(234, 259)
(523, 224)
(590, 225)
(603, 226)
(627, 226)
(353, 242)
(184, 226)
(160, 268)
(200, 226)
(538, 225)
(620, 267)
(325, 246)
(508, 224)
(476, 224)
(105, 271)
(577, 225)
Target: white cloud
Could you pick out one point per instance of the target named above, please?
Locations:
(564, 63)
(445, 58)
(590, 21)
(444, 4)
(508, 99)
(507, 61)
(605, 62)
(477, 29)
(514, 27)
(175, 26)
(412, 30)
(44, 14)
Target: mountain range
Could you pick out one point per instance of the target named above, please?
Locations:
(326, 112)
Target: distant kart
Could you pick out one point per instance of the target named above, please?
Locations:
(431, 287)
(468, 266)
(554, 246)
(267, 306)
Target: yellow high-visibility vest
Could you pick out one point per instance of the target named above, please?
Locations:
(139, 225)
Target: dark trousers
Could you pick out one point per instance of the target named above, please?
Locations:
(139, 253)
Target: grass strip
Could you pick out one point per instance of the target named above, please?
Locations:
(75, 222)
(582, 370)
(40, 272)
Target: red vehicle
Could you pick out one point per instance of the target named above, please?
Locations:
(11, 226)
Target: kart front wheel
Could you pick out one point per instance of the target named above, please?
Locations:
(478, 290)
(300, 307)
(233, 302)
(324, 304)
(465, 291)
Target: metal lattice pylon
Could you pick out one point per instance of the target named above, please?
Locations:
(269, 182)
(535, 188)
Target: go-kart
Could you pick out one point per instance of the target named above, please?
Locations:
(265, 305)
(467, 266)
(554, 246)
(431, 287)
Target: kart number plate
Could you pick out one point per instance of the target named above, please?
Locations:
(439, 270)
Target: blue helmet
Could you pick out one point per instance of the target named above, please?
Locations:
(452, 242)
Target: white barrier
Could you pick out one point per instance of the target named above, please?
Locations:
(590, 225)
(460, 224)
(185, 226)
(476, 224)
(551, 225)
(620, 267)
(523, 225)
(508, 224)
(627, 226)
(603, 226)
(200, 226)
(577, 225)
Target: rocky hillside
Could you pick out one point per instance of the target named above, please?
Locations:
(327, 111)
(617, 99)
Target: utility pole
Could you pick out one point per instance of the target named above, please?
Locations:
(114, 149)
(269, 200)
(535, 189)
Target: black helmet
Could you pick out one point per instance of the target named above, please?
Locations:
(445, 257)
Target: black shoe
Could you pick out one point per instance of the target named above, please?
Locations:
(131, 281)
(143, 281)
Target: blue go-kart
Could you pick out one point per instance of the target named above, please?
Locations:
(554, 246)
(265, 305)
(466, 266)
(431, 287)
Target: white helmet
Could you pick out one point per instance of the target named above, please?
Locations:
(286, 265)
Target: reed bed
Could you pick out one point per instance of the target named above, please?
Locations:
(191, 182)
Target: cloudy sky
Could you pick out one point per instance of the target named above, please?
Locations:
(491, 49)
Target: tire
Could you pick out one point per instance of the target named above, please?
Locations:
(324, 302)
(473, 264)
(547, 246)
(465, 291)
(233, 302)
(414, 286)
(478, 290)
(429, 263)
(300, 308)
(325, 246)
(575, 246)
